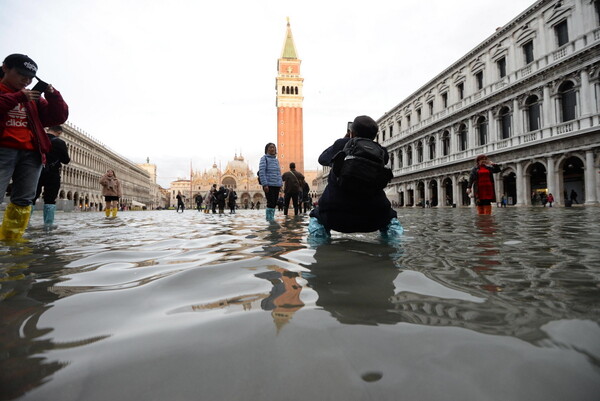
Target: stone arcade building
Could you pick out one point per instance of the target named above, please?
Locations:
(80, 188)
(528, 97)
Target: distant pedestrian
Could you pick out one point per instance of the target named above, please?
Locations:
(481, 184)
(220, 197)
(306, 199)
(213, 198)
(550, 199)
(573, 196)
(231, 201)
(111, 190)
(198, 199)
(269, 174)
(180, 204)
(292, 188)
(50, 177)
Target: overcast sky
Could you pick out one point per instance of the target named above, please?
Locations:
(185, 81)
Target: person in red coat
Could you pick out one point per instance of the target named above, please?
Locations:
(481, 184)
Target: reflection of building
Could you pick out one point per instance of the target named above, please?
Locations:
(528, 96)
(290, 142)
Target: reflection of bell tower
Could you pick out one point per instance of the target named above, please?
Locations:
(290, 144)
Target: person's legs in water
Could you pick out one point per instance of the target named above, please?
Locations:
(393, 229)
(272, 196)
(286, 203)
(51, 183)
(24, 167)
(295, 203)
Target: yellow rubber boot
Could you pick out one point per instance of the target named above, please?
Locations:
(107, 212)
(15, 222)
(114, 212)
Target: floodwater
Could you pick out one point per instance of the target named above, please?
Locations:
(166, 306)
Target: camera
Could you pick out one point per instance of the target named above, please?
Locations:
(41, 86)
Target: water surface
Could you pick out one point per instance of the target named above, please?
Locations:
(167, 306)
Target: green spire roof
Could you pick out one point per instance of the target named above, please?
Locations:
(289, 49)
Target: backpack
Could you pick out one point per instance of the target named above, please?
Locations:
(360, 166)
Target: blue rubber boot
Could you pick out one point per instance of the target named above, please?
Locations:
(270, 213)
(317, 233)
(49, 214)
(393, 230)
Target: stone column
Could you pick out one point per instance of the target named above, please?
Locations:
(521, 196)
(551, 176)
(547, 116)
(585, 95)
(441, 193)
(499, 180)
(455, 191)
(471, 140)
(518, 126)
(491, 127)
(590, 179)
(427, 191)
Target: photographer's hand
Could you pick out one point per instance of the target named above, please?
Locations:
(31, 95)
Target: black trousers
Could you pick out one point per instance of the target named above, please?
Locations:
(50, 181)
(286, 203)
(272, 196)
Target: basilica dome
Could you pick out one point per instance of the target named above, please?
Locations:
(237, 166)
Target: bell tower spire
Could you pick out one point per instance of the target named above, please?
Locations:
(288, 84)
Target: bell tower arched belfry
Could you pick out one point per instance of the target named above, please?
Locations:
(290, 143)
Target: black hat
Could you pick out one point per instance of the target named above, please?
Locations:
(365, 127)
(23, 64)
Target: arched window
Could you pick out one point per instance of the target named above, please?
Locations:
(283, 90)
(482, 130)
(420, 152)
(287, 90)
(462, 137)
(392, 160)
(409, 156)
(296, 90)
(446, 143)
(568, 101)
(505, 123)
(532, 109)
(400, 159)
(432, 148)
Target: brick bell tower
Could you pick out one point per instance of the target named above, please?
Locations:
(290, 143)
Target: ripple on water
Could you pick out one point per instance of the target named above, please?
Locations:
(153, 304)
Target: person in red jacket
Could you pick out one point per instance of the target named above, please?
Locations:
(23, 142)
(481, 180)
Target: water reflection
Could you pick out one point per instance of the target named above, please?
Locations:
(174, 295)
(354, 281)
(25, 292)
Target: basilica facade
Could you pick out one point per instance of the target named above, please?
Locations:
(237, 176)
(528, 97)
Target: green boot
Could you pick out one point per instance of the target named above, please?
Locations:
(270, 212)
(114, 212)
(49, 214)
(15, 222)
